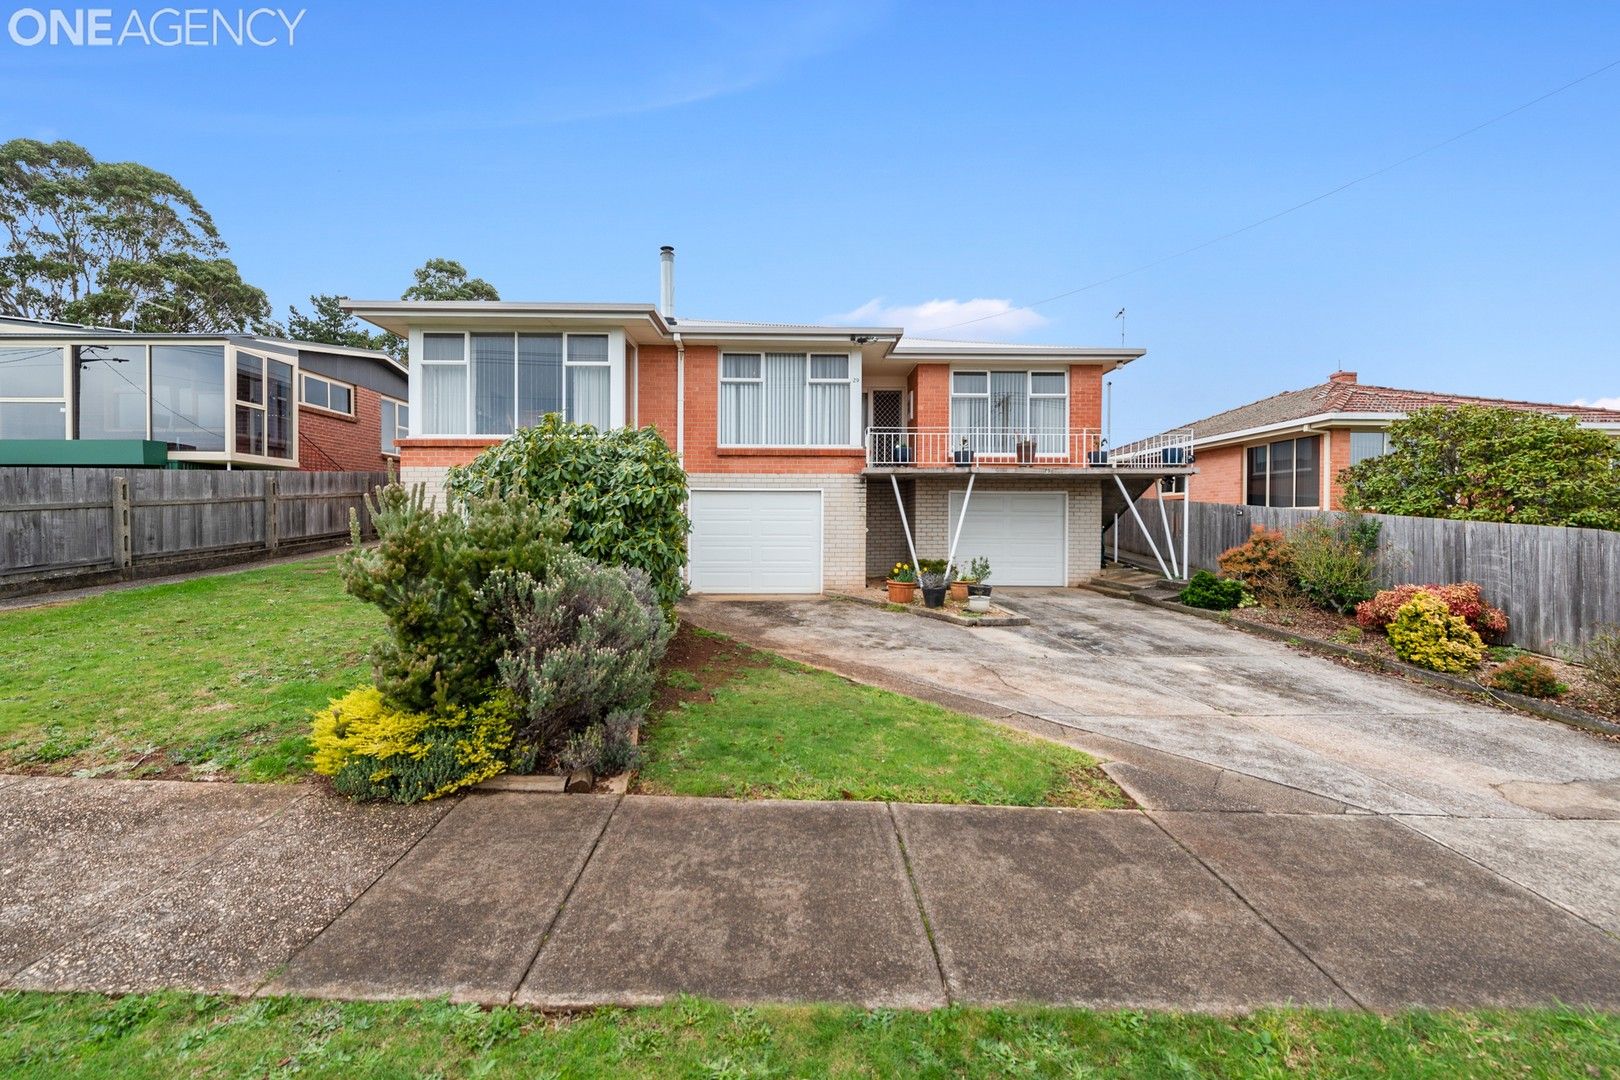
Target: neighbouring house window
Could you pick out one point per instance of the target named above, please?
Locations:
(278, 408)
(994, 410)
(1367, 444)
(1173, 485)
(785, 399)
(1285, 473)
(263, 406)
(188, 396)
(395, 425)
(326, 394)
(514, 380)
(109, 390)
(33, 399)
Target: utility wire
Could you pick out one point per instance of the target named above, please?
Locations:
(1297, 206)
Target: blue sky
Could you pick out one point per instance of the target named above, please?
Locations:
(864, 159)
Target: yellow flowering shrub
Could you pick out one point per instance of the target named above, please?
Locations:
(374, 751)
(1425, 632)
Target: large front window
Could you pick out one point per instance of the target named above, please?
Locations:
(512, 380)
(33, 403)
(110, 392)
(1284, 473)
(188, 396)
(996, 410)
(785, 399)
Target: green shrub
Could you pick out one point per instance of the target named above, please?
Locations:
(623, 492)
(584, 642)
(1334, 558)
(1207, 591)
(1425, 632)
(1348, 635)
(1602, 659)
(425, 573)
(1528, 676)
(374, 751)
(1263, 563)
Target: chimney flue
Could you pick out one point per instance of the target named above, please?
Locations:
(666, 281)
(1342, 376)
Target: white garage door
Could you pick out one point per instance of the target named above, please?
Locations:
(1020, 532)
(756, 542)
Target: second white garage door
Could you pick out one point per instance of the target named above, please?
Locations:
(755, 542)
(1020, 532)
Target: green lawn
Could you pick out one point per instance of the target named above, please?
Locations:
(170, 1036)
(746, 724)
(218, 674)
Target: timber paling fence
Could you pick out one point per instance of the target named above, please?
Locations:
(64, 528)
(1559, 586)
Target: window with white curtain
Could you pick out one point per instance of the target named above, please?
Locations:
(511, 380)
(1367, 444)
(785, 399)
(993, 410)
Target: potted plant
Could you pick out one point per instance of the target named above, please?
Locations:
(932, 579)
(1098, 456)
(901, 455)
(963, 457)
(978, 593)
(958, 589)
(902, 584)
(1026, 451)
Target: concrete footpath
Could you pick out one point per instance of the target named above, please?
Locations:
(570, 901)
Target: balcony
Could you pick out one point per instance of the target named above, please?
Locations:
(986, 449)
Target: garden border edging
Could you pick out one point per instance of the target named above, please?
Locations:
(1544, 709)
(1012, 618)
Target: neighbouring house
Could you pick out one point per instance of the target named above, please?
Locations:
(83, 395)
(811, 450)
(1291, 449)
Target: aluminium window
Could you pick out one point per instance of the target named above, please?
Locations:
(994, 410)
(395, 425)
(1368, 444)
(33, 397)
(328, 394)
(188, 397)
(1284, 473)
(785, 399)
(109, 392)
(264, 406)
(496, 383)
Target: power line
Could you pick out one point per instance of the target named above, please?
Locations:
(1297, 206)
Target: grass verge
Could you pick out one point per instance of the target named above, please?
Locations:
(216, 675)
(736, 722)
(170, 1036)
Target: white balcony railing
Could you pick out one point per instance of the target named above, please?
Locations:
(943, 448)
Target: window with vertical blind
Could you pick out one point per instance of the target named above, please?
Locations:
(1367, 444)
(785, 399)
(1285, 473)
(994, 410)
(496, 383)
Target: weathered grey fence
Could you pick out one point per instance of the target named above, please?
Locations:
(60, 528)
(1557, 585)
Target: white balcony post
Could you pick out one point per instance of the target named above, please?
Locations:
(1186, 523)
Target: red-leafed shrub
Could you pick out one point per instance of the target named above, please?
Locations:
(1466, 600)
(1263, 563)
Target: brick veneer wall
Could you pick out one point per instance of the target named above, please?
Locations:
(427, 460)
(932, 516)
(329, 441)
(885, 539)
(843, 517)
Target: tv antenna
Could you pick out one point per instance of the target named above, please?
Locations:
(1120, 315)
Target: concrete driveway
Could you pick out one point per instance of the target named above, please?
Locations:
(1196, 717)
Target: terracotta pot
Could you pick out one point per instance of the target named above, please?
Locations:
(902, 592)
(959, 591)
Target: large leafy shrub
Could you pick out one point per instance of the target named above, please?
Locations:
(1602, 659)
(425, 573)
(1207, 591)
(1424, 632)
(1466, 600)
(623, 492)
(583, 644)
(1528, 676)
(1334, 558)
(1263, 563)
(372, 750)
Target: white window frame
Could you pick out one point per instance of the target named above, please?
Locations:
(1029, 395)
(851, 379)
(401, 431)
(65, 353)
(1382, 434)
(306, 378)
(615, 349)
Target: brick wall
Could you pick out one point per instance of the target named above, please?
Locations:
(885, 539)
(427, 460)
(1085, 397)
(328, 441)
(843, 516)
(932, 515)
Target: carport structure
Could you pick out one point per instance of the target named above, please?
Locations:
(1034, 506)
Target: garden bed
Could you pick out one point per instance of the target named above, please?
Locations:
(953, 611)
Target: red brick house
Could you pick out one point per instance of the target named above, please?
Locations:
(1290, 449)
(353, 408)
(817, 456)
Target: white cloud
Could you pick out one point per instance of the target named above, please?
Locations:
(980, 319)
(1598, 403)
